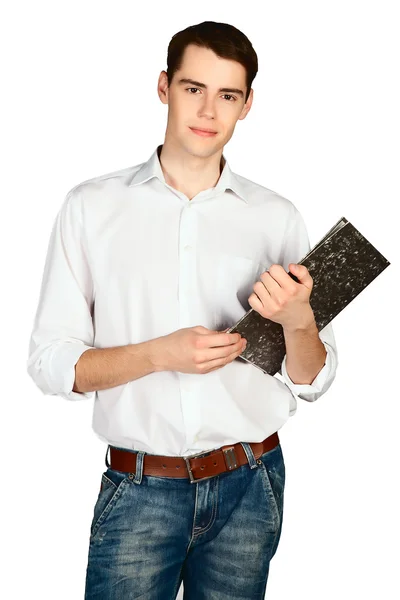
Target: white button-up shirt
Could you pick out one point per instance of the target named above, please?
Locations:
(130, 259)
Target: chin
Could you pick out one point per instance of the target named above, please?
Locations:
(195, 149)
(204, 147)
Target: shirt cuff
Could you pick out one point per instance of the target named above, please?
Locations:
(317, 385)
(62, 370)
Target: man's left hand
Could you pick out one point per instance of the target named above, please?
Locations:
(279, 298)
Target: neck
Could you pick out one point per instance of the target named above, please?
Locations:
(187, 173)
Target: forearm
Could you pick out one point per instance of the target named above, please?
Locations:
(305, 353)
(103, 368)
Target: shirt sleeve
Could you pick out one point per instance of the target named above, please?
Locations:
(295, 247)
(63, 326)
(324, 378)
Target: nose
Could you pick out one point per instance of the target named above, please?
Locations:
(207, 108)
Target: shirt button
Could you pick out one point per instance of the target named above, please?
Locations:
(188, 247)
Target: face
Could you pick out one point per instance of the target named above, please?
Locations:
(213, 105)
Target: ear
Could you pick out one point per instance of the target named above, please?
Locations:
(247, 106)
(162, 87)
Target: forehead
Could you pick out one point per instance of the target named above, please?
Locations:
(203, 64)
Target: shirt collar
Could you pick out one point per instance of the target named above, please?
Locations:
(152, 168)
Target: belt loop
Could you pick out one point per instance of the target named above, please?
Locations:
(139, 467)
(107, 463)
(250, 454)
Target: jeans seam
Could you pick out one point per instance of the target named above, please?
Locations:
(178, 583)
(214, 512)
(194, 521)
(109, 480)
(267, 484)
(112, 502)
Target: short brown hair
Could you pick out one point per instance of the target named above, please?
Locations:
(223, 39)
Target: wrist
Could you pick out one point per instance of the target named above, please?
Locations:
(304, 325)
(146, 353)
(152, 350)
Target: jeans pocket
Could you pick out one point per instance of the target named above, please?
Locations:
(273, 474)
(112, 486)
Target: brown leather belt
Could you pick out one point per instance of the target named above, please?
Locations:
(196, 466)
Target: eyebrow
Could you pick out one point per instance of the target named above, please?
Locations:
(203, 85)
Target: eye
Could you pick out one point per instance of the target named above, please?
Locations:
(232, 98)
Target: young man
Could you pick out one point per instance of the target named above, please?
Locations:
(146, 268)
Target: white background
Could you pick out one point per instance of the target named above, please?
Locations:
(79, 100)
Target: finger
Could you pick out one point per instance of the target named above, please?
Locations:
(302, 274)
(216, 339)
(281, 279)
(270, 284)
(277, 293)
(255, 302)
(222, 352)
(220, 361)
(265, 298)
(222, 339)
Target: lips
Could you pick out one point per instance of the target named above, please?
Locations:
(203, 133)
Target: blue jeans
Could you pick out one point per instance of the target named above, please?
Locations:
(148, 534)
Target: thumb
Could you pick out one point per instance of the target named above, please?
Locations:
(302, 274)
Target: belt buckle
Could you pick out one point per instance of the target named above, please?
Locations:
(187, 459)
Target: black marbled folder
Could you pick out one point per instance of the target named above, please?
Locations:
(342, 264)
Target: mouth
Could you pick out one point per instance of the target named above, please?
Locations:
(203, 132)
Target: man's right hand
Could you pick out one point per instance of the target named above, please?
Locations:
(196, 350)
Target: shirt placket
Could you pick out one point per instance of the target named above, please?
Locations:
(186, 299)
